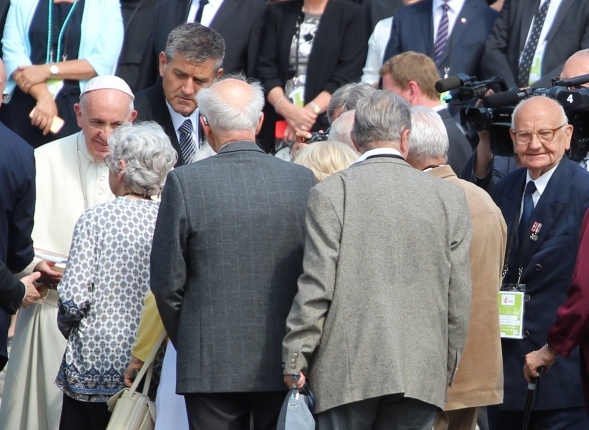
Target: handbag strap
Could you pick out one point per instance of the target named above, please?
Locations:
(147, 367)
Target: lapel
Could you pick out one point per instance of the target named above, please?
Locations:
(224, 12)
(161, 115)
(555, 198)
(468, 12)
(514, 198)
(321, 39)
(181, 12)
(425, 22)
(563, 9)
(527, 12)
(287, 29)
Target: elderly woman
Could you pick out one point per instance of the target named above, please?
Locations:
(107, 276)
(326, 158)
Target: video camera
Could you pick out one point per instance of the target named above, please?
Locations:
(496, 112)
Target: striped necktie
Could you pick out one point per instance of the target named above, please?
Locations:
(442, 36)
(187, 141)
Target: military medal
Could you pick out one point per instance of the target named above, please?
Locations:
(535, 230)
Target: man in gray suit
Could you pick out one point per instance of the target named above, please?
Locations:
(381, 315)
(227, 252)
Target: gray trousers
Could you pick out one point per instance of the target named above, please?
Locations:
(393, 412)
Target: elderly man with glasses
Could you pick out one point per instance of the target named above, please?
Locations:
(543, 204)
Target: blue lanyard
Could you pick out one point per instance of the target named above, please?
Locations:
(49, 56)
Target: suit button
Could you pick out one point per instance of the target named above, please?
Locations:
(526, 298)
(538, 267)
(526, 334)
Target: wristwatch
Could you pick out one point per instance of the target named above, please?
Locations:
(54, 70)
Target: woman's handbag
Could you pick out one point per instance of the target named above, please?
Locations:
(132, 410)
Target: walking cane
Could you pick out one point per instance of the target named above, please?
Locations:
(530, 396)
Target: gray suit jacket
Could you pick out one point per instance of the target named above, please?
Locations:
(227, 252)
(383, 303)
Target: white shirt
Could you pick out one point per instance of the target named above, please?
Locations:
(455, 6)
(208, 12)
(178, 120)
(374, 152)
(377, 44)
(203, 150)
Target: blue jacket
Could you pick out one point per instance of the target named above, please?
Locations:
(100, 44)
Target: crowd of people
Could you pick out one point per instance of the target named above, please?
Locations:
(281, 190)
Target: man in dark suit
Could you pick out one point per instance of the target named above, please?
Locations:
(17, 208)
(14, 293)
(227, 253)
(239, 22)
(543, 205)
(413, 76)
(138, 17)
(192, 60)
(564, 30)
(571, 327)
(486, 169)
(459, 48)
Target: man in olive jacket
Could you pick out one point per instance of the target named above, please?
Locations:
(381, 316)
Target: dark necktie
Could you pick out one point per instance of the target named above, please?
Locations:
(187, 141)
(527, 58)
(201, 8)
(526, 217)
(442, 35)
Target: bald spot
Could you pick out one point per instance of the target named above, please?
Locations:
(537, 107)
(233, 93)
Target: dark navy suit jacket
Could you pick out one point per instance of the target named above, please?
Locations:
(568, 34)
(17, 209)
(12, 291)
(548, 265)
(413, 31)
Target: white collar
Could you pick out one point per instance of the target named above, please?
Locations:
(377, 151)
(542, 181)
(453, 5)
(178, 119)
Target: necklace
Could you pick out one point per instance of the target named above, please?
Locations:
(49, 55)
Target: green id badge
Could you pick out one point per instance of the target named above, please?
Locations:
(54, 86)
(511, 314)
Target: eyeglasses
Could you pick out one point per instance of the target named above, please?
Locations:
(545, 136)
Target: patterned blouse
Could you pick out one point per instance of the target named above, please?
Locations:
(101, 296)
